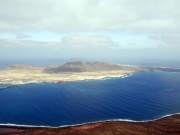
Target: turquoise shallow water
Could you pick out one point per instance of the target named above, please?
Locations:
(141, 96)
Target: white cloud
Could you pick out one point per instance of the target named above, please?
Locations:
(22, 36)
(87, 41)
(26, 43)
(68, 42)
(90, 28)
(167, 41)
(90, 15)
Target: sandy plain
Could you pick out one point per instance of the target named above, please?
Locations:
(20, 76)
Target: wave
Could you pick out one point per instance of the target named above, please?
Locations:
(127, 75)
(94, 122)
(6, 87)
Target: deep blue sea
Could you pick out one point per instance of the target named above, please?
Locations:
(141, 96)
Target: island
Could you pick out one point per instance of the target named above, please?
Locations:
(71, 71)
(80, 71)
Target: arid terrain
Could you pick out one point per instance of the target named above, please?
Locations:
(70, 71)
(77, 71)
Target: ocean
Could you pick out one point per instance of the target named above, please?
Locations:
(139, 97)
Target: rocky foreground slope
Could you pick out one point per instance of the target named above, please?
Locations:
(166, 126)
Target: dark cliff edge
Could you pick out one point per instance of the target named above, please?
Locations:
(169, 125)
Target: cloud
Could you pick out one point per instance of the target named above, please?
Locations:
(90, 15)
(26, 43)
(22, 36)
(116, 29)
(83, 43)
(167, 41)
(87, 41)
(81, 46)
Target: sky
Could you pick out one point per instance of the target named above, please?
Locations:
(116, 31)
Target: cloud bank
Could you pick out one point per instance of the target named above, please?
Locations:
(90, 15)
(93, 29)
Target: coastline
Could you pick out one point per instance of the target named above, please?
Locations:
(87, 123)
(18, 77)
(71, 71)
(168, 124)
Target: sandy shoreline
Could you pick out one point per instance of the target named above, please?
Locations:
(165, 125)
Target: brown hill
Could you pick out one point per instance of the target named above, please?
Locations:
(80, 66)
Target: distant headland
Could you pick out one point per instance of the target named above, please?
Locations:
(71, 71)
